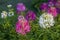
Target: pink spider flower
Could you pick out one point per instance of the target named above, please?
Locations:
(22, 26)
(53, 11)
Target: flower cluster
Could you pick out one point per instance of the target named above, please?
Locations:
(10, 12)
(46, 20)
(30, 14)
(22, 26)
(52, 5)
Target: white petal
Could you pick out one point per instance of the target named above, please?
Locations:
(3, 14)
(11, 14)
(9, 6)
(46, 20)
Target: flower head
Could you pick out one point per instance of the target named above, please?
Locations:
(58, 6)
(44, 7)
(11, 13)
(20, 7)
(46, 20)
(50, 4)
(53, 11)
(30, 15)
(22, 26)
(20, 17)
(3, 14)
(9, 6)
(54, 1)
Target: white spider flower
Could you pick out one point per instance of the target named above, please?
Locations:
(3, 14)
(46, 20)
(9, 6)
(11, 14)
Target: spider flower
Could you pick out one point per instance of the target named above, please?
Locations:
(22, 26)
(11, 14)
(46, 20)
(53, 11)
(3, 14)
(50, 4)
(20, 7)
(58, 6)
(30, 15)
(54, 1)
(44, 7)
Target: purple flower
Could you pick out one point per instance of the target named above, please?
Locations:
(20, 7)
(54, 1)
(58, 6)
(58, 10)
(44, 7)
(50, 4)
(30, 15)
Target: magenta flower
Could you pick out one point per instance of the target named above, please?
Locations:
(44, 7)
(20, 7)
(22, 26)
(30, 15)
(53, 11)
